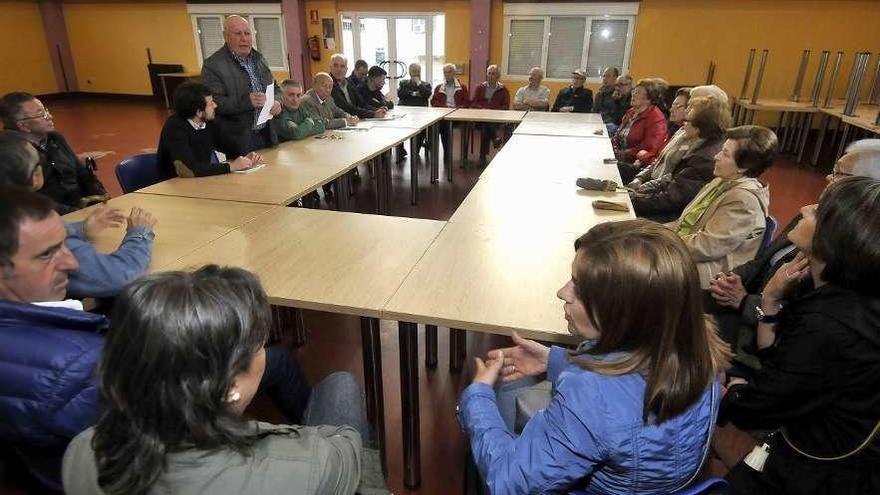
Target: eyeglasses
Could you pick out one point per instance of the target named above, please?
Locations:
(42, 115)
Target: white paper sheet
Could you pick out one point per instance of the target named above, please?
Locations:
(265, 116)
(249, 170)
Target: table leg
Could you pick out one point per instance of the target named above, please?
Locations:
(448, 156)
(414, 169)
(342, 189)
(299, 328)
(823, 128)
(457, 348)
(435, 152)
(409, 402)
(843, 137)
(386, 176)
(165, 92)
(779, 124)
(751, 117)
(464, 143)
(431, 346)
(373, 391)
(802, 146)
(787, 121)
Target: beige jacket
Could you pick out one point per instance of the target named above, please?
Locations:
(730, 231)
(304, 460)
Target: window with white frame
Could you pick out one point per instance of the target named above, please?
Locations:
(267, 29)
(563, 37)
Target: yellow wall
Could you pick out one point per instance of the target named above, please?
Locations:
(26, 66)
(109, 41)
(676, 39)
(458, 24)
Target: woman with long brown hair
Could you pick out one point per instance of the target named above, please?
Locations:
(633, 408)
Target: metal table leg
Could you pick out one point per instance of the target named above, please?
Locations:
(373, 390)
(464, 143)
(457, 348)
(431, 346)
(844, 135)
(409, 402)
(299, 328)
(414, 169)
(447, 157)
(435, 152)
(343, 199)
(823, 128)
(802, 146)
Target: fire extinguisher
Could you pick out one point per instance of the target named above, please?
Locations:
(315, 48)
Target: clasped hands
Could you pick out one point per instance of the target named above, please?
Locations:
(525, 358)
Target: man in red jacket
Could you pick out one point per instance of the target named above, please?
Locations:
(493, 95)
(451, 93)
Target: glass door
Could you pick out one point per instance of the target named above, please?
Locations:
(395, 41)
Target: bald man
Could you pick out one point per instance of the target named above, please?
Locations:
(237, 76)
(319, 105)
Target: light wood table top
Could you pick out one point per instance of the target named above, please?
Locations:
(180, 74)
(562, 159)
(779, 105)
(489, 279)
(562, 124)
(183, 224)
(293, 169)
(536, 207)
(577, 118)
(415, 117)
(323, 260)
(864, 119)
(486, 115)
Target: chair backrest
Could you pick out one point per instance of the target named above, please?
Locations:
(769, 232)
(711, 486)
(138, 171)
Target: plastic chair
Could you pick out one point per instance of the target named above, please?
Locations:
(138, 171)
(769, 232)
(711, 486)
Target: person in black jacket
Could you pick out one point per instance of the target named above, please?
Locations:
(575, 98)
(190, 138)
(733, 297)
(67, 180)
(358, 75)
(819, 338)
(237, 76)
(662, 189)
(345, 94)
(413, 92)
(370, 92)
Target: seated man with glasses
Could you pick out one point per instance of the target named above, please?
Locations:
(71, 183)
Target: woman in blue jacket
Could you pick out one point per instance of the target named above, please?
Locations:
(633, 408)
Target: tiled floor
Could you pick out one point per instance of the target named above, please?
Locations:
(115, 129)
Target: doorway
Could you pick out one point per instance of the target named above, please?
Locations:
(393, 41)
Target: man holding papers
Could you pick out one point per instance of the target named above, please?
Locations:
(237, 76)
(190, 138)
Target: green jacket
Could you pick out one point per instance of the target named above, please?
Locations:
(295, 124)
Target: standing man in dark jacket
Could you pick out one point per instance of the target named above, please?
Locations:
(190, 138)
(345, 94)
(575, 98)
(66, 179)
(237, 75)
(48, 346)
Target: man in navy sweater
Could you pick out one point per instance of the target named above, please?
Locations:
(190, 140)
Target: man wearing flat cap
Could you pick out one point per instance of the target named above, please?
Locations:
(575, 98)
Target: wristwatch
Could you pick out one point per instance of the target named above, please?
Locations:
(764, 317)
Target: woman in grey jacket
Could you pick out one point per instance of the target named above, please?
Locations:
(183, 359)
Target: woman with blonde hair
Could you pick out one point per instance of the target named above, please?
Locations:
(633, 408)
(661, 190)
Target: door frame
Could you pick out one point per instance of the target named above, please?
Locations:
(391, 29)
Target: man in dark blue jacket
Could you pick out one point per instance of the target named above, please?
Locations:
(48, 346)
